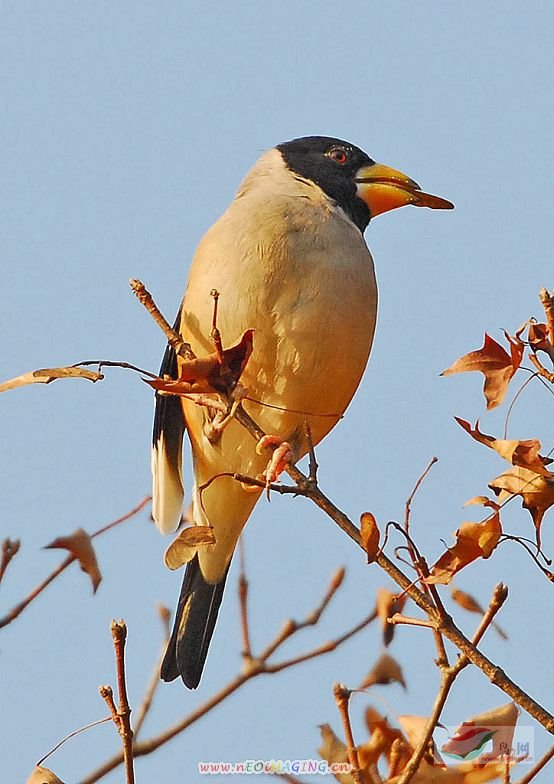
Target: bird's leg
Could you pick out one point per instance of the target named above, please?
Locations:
(282, 456)
(216, 334)
(214, 428)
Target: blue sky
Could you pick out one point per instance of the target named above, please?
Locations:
(126, 127)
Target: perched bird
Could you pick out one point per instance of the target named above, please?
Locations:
(289, 261)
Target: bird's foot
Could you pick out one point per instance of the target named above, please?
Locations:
(215, 427)
(282, 457)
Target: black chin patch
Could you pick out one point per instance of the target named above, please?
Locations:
(310, 158)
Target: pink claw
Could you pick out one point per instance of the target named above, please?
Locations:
(282, 456)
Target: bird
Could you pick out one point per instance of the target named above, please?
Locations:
(291, 266)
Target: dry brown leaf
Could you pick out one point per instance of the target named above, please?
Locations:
(47, 375)
(385, 670)
(539, 338)
(208, 374)
(387, 605)
(383, 738)
(520, 453)
(414, 727)
(79, 544)
(185, 546)
(333, 750)
(496, 725)
(42, 775)
(469, 603)
(536, 491)
(494, 362)
(473, 540)
(370, 535)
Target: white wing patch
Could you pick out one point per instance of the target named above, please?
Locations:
(167, 489)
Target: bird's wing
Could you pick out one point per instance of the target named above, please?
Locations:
(167, 450)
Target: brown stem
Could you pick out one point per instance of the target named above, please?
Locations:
(176, 342)
(448, 676)
(547, 302)
(243, 601)
(154, 682)
(119, 635)
(537, 767)
(342, 698)
(255, 668)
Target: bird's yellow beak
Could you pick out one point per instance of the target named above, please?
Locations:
(384, 189)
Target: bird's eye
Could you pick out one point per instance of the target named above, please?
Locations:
(338, 154)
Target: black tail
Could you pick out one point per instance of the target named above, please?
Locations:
(193, 627)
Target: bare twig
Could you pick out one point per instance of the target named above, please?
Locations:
(10, 548)
(398, 618)
(154, 682)
(541, 370)
(258, 666)
(544, 760)
(106, 692)
(243, 601)
(448, 676)
(342, 699)
(119, 635)
(18, 609)
(180, 347)
(547, 301)
(414, 491)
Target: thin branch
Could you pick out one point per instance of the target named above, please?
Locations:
(256, 667)
(119, 635)
(448, 676)
(18, 609)
(342, 699)
(398, 618)
(547, 302)
(154, 682)
(537, 767)
(176, 342)
(291, 627)
(414, 491)
(243, 601)
(541, 370)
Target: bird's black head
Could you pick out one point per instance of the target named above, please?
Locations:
(347, 175)
(332, 164)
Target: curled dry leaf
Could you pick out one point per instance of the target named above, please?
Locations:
(520, 453)
(333, 750)
(79, 545)
(539, 337)
(386, 670)
(388, 604)
(42, 775)
(469, 603)
(473, 540)
(536, 491)
(494, 362)
(385, 741)
(47, 375)
(209, 374)
(370, 535)
(496, 725)
(185, 546)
